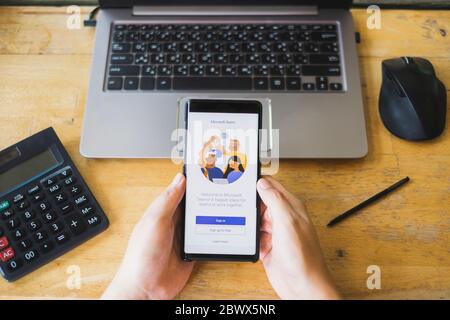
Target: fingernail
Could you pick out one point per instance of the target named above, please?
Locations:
(177, 180)
(264, 184)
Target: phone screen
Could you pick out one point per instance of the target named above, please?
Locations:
(222, 168)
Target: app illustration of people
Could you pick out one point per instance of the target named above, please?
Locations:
(221, 160)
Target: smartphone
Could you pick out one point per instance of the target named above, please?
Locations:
(221, 205)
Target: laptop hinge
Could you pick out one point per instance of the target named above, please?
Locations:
(225, 10)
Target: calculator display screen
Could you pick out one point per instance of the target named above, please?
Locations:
(27, 170)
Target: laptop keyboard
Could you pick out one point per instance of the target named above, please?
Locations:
(256, 57)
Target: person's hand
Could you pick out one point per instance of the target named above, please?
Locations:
(152, 267)
(290, 250)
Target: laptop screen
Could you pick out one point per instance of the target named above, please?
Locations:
(130, 3)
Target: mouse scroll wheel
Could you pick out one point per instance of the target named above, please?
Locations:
(408, 60)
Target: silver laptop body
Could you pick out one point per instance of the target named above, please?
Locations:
(139, 124)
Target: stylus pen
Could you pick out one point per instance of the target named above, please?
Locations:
(365, 203)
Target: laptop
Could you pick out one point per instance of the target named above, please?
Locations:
(298, 55)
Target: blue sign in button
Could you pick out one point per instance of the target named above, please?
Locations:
(228, 221)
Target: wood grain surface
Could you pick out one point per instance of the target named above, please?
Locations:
(44, 71)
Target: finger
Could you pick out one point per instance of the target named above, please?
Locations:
(166, 203)
(265, 245)
(266, 224)
(295, 202)
(277, 205)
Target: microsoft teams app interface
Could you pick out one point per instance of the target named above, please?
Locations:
(221, 170)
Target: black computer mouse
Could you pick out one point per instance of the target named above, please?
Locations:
(413, 101)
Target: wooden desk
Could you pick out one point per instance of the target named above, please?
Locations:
(43, 82)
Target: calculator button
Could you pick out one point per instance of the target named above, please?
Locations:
(18, 234)
(49, 217)
(44, 206)
(18, 197)
(81, 200)
(3, 243)
(28, 215)
(14, 264)
(60, 197)
(4, 205)
(48, 182)
(30, 255)
(75, 190)
(38, 197)
(54, 188)
(66, 208)
(13, 223)
(22, 205)
(76, 224)
(65, 173)
(94, 220)
(7, 254)
(40, 236)
(34, 190)
(87, 210)
(34, 225)
(56, 227)
(69, 181)
(7, 214)
(24, 244)
(47, 246)
(62, 238)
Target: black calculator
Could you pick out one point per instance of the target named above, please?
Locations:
(46, 208)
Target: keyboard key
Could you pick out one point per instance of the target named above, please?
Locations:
(47, 246)
(148, 71)
(76, 224)
(7, 214)
(56, 227)
(62, 238)
(34, 225)
(324, 59)
(321, 71)
(18, 234)
(147, 83)
(7, 254)
(93, 220)
(69, 181)
(335, 86)
(24, 244)
(49, 216)
(212, 83)
(44, 206)
(66, 208)
(13, 223)
(164, 83)
(81, 200)
(40, 236)
(14, 264)
(124, 70)
(322, 83)
(164, 70)
(131, 83)
(261, 83)
(18, 197)
(38, 197)
(22, 205)
(121, 58)
(324, 36)
(30, 255)
(120, 47)
(293, 83)
(309, 86)
(74, 190)
(28, 215)
(277, 83)
(33, 190)
(3, 242)
(115, 83)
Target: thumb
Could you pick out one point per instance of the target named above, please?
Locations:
(277, 205)
(166, 203)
